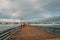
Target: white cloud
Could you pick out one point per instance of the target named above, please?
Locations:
(5, 4)
(26, 8)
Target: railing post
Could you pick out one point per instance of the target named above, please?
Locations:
(53, 30)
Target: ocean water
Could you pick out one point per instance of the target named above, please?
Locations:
(52, 28)
(5, 27)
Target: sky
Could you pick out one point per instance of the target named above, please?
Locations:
(29, 9)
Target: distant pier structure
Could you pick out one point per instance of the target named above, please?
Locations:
(20, 21)
(9, 21)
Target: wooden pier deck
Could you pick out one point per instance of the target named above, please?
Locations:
(31, 33)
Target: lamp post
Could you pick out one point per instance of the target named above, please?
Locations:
(21, 23)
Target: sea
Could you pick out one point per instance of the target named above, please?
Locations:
(5, 27)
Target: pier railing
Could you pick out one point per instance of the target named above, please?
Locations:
(9, 32)
(53, 30)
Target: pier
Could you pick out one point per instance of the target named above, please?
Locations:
(29, 19)
(27, 32)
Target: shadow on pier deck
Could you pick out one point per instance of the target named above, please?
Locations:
(31, 33)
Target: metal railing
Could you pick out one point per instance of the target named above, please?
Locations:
(53, 30)
(5, 35)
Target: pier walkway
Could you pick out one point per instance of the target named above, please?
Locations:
(31, 33)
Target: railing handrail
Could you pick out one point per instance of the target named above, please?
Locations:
(8, 33)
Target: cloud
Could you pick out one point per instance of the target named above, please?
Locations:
(28, 9)
(54, 5)
(52, 19)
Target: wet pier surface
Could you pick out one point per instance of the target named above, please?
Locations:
(31, 33)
